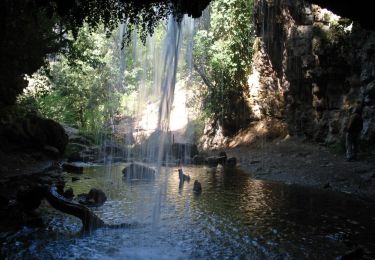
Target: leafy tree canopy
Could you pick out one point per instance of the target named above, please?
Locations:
(223, 53)
(31, 29)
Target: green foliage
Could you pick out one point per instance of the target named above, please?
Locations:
(93, 82)
(79, 87)
(222, 57)
(32, 29)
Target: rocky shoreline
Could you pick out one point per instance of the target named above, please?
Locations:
(292, 160)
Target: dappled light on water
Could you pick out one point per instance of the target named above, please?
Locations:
(234, 216)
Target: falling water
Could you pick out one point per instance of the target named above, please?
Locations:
(171, 55)
(160, 71)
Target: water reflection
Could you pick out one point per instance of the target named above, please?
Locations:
(234, 216)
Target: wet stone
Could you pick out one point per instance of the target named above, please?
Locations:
(197, 188)
(138, 171)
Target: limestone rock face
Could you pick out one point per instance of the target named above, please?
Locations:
(311, 68)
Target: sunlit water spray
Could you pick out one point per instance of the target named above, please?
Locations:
(156, 116)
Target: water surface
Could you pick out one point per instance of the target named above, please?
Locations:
(235, 217)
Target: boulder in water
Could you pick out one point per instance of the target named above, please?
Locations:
(94, 198)
(222, 160)
(231, 162)
(68, 194)
(197, 188)
(212, 161)
(75, 179)
(222, 153)
(137, 171)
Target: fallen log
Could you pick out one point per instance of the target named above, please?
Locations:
(90, 221)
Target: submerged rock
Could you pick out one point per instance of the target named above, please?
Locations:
(212, 161)
(222, 158)
(94, 198)
(197, 188)
(231, 162)
(68, 194)
(137, 171)
(75, 179)
(223, 153)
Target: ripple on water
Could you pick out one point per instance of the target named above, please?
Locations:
(234, 217)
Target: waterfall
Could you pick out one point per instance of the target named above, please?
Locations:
(156, 68)
(171, 55)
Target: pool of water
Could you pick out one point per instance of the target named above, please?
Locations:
(235, 217)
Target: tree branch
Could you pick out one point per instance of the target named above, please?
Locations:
(203, 76)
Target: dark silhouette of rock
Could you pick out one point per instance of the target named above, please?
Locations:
(29, 198)
(212, 161)
(94, 198)
(137, 171)
(197, 188)
(80, 140)
(198, 159)
(75, 179)
(75, 152)
(90, 221)
(222, 160)
(231, 162)
(69, 194)
(222, 153)
(97, 196)
(51, 151)
(37, 133)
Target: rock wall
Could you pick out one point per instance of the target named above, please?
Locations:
(33, 133)
(311, 68)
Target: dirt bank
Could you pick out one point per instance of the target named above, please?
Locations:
(292, 160)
